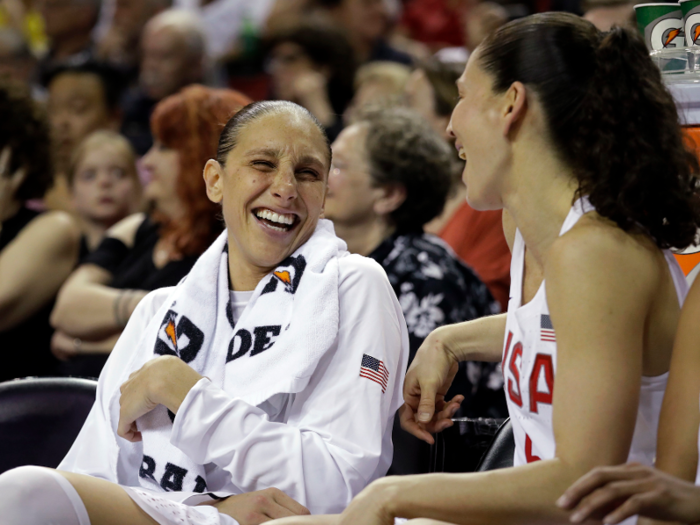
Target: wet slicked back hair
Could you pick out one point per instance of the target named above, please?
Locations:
(610, 118)
(236, 124)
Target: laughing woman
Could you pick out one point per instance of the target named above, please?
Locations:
(275, 366)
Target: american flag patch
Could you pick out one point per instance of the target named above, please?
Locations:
(374, 370)
(546, 329)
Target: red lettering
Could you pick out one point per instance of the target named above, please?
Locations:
(529, 456)
(542, 362)
(505, 354)
(515, 395)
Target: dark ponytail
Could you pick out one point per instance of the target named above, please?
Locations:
(610, 118)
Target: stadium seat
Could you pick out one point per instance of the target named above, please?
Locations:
(500, 452)
(40, 418)
(461, 447)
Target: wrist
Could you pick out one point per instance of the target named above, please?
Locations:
(443, 341)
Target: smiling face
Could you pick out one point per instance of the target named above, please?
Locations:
(272, 189)
(477, 127)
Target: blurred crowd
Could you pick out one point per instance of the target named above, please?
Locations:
(109, 110)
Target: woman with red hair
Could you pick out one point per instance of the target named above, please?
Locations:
(153, 250)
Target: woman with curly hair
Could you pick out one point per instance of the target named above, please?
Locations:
(145, 252)
(37, 251)
(572, 132)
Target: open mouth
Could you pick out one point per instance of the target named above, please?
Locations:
(276, 221)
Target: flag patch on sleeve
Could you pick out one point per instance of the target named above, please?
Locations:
(374, 370)
(546, 329)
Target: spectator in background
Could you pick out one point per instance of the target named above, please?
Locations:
(366, 23)
(313, 65)
(17, 61)
(436, 23)
(172, 57)
(483, 19)
(37, 252)
(68, 25)
(24, 17)
(607, 13)
(104, 185)
(145, 252)
(377, 84)
(476, 236)
(391, 174)
(120, 45)
(82, 98)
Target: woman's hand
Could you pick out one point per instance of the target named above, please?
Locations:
(63, 346)
(165, 380)
(372, 506)
(429, 377)
(612, 494)
(260, 506)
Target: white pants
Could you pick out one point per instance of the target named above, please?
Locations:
(39, 496)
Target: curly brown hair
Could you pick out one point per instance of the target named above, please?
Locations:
(403, 149)
(190, 122)
(610, 118)
(24, 129)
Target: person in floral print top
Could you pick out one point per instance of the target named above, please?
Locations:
(390, 176)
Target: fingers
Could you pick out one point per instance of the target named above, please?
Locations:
(409, 424)
(596, 478)
(634, 505)
(426, 406)
(607, 498)
(296, 508)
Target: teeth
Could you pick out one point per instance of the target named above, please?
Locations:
(275, 217)
(461, 154)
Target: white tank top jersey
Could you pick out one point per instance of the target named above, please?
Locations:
(530, 361)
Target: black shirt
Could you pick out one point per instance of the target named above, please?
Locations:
(131, 268)
(26, 348)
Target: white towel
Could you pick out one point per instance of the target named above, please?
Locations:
(288, 325)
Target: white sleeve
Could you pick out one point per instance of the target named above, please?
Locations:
(337, 437)
(98, 451)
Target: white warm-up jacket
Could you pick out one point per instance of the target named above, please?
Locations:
(320, 446)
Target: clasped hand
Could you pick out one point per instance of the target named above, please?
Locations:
(425, 410)
(165, 380)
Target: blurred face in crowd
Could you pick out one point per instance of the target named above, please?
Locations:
(77, 106)
(478, 131)
(420, 97)
(272, 187)
(105, 185)
(163, 167)
(351, 192)
(167, 64)
(131, 15)
(364, 18)
(66, 18)
(287, 62)
(15, 64)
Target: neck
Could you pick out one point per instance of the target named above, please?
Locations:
(9, 211)
(541, 198)
(94, 231)
(70, 45)
(364, 238)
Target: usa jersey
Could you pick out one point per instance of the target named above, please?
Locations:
(529, 365)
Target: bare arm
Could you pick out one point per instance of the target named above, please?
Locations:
(677, 446)
(599, 317)
(34, 265)
(87, 307)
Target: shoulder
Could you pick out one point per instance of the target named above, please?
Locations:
(357, 271)
(597, 250)
(54, 229)
(125, 230)
(152, 302)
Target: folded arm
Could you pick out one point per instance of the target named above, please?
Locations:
(34, 265)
